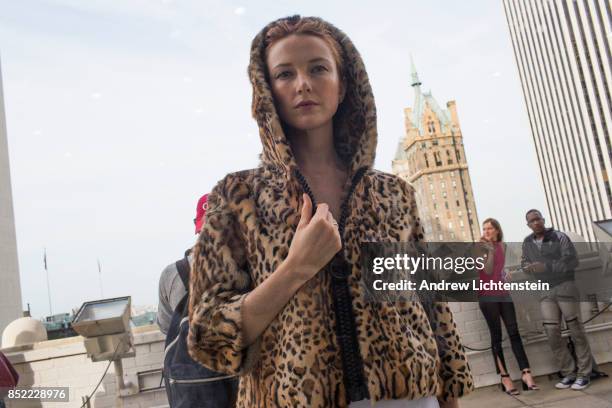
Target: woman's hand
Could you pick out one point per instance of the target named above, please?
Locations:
(315, 242)
(486, 244)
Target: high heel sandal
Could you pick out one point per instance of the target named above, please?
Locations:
(512, 391)
(526, 387)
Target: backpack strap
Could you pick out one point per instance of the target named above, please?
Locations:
(183, 268)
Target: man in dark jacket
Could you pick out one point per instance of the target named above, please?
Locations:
(550, 256)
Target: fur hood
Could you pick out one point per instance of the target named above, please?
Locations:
(355, 134)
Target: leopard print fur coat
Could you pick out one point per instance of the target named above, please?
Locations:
(250, 222)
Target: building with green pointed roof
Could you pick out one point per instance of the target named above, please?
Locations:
(431, 157)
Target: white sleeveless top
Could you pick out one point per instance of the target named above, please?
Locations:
(427, 402)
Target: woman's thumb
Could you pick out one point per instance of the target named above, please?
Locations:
(306, 211)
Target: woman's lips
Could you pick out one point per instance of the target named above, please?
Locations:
(305, 104)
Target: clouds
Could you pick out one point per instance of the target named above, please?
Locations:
(122, 113)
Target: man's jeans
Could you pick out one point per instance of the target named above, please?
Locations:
(563, 300)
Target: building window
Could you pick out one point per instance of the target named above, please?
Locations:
(460, 222)
(460, 213)
(444, 194)
(450, 225)
(435, 206)
(431, 128)
(426, 161)
(452, 235)
(446, 204)
(458, 156)
(433, 197)
(443, 185)
(454, 182)
(431, 186)
(449, 157)
(441, 237)
(458, 205)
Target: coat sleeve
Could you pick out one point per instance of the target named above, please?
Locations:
(454, 371)
(568, 260)
(219, 283)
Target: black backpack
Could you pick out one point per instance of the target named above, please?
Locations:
(188, 383)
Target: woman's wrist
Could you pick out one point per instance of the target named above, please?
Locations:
(295, 272)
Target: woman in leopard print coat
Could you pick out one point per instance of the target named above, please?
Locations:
(275, 293)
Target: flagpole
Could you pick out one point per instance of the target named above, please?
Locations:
(48, 286)
(100, 278)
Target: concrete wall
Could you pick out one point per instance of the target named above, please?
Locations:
(10, 289)
(64, 363)
(475, 335)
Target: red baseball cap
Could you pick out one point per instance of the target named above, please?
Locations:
(201, 213)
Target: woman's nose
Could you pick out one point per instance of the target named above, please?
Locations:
(303, 83)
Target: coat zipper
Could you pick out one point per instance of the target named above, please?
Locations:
(344, 207)
(346, 328)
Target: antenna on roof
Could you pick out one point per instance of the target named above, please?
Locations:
(100, 278)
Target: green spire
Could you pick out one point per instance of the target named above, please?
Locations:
(415, 76)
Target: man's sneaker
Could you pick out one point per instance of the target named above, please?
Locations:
(581, 383)
(565, 382)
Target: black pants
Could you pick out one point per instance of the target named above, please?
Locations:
(494, 312)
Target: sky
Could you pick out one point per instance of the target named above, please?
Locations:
(122, 113)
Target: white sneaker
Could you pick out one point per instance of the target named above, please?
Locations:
(581, 383)
(565, 382)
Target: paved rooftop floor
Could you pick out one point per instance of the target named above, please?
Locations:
(597, 395)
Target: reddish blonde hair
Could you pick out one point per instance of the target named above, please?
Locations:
(297, 25)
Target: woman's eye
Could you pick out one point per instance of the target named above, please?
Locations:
(319, 68)
(283, 74)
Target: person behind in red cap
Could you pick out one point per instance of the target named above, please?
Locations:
(201, 213)
(188, 383)
(171, 289)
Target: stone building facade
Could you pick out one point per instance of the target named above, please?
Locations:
(431, 157)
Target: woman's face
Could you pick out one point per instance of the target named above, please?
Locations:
(489, 232)
(305, 81)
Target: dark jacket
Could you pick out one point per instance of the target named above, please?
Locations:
(557, 253)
